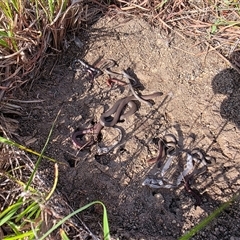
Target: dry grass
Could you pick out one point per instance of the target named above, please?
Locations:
(15, 170)
(31, 30)
(215, 22)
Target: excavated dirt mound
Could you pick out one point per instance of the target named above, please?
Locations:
(199, 106)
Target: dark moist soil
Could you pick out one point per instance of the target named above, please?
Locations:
(199, 106)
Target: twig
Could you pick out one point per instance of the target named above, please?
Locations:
(166, 25)
(14, 74)
(14, 54)
(23, 101)
(80, 220)
(184, 51)
(225, 59)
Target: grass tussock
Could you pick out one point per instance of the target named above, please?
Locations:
(29, 30)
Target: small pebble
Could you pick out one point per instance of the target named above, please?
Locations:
(159, 197)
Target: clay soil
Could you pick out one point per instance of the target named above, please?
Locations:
(199, 106)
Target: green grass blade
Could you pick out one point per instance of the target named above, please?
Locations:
(31, 208)
(41, 154)
(7, 10)
(34, 211)
(4, 43)
(64, 5)
(51, 8)
(21, 236)
(106, 231)
(3, 36)
(16, 4)
(7, 25)
(42, 5)
(11, 143)
(9, 212)
(20, 183)
(208, 219)
(37, 213)
(14, 227)
(63, 235)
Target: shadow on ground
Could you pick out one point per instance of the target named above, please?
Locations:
(227, 82)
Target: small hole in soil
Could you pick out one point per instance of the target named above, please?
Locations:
(174, 205)
(70, 160)
(154, 193)
(102, 159)
(100, 137)
(162, 212)
(122, 150)
(227, 211)
(88, 238)
(92, 122)
(155, 140)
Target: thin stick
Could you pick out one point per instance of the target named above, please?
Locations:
(225, 59)
(28, 101)
(14, 54)
(185, 51)
(166, 25)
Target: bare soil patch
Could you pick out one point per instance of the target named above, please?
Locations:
(200, 106)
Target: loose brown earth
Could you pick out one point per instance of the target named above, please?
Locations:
(200, 106)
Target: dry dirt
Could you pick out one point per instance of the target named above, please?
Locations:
(199, 105)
